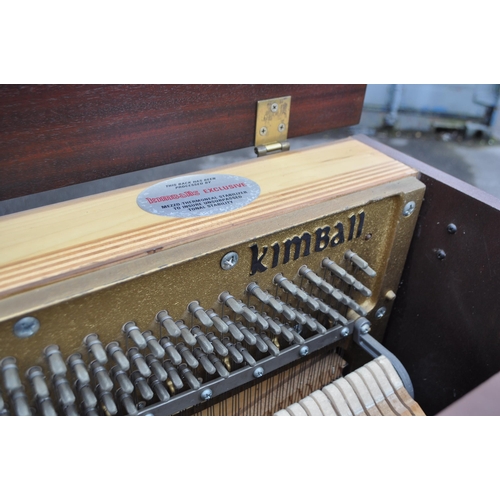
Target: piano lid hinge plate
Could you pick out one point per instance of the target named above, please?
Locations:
(271, 128)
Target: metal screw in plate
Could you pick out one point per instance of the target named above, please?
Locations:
(344, 332)
(263, 131)
(206, 395)
(304, 351)
(409, 208)
(229, 261)
(452, 229)
(365, 328)
(26, 327)
(441, 254)
(281, 127)
(274, 107)
(380, 313)
(258, 372)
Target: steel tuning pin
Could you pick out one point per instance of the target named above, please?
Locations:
(94, 345)
(310, 323)
(187, 355)
(131, 330)
(70, 411)
(159, 389)
(168, 323)
(232, 351)
(45, 407)
(173, 375)
(259, 342)
(121, 378)
(254, 289)
(89, 412)
(218, 323)
(300, 317)
(227, 299)
(142, 385)
(156, 368)
(63, 390)
(78, 367)
(116, 353)
(155, 348)
(189, 377)
(87, 395)
(319, 327)
(275, 329)
(219, 365)
(19, 402)
(107, 401)
(204, 361)
(287, 311)
(260, 321)
(55, 360)
(315, 279)
(219, 347)
(271, 346)
(198, 312)
(286, 333)
(174, 356)
(346, 277)
(38, 384)
(248, 337)
(233, 329)
(202, 340)
(247, 357)
(247, 313)
(362, 264)
(297, 338)
(137, 360)
(126, 402)
(101, 376)
(188, 337)
(10, 374)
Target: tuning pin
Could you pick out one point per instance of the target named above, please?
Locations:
(187, 355)
(188, 337)
(346, 277)
(55, 360)
(319, 327)
(290, 287)
(87, 396)
(156, 368)
(315, 279)
(219, 347)
(219, 366)
(247, 357)
(198, 311)
(202, 340)
(297, 338)
(232, 351)
(159, 389)
(204, 361)
(275, 329)
(285, 332)
(107, 401)
(310, 323)
(70, 411)
(94, 345)
(79, 368)
(45, 407)
(2, 404)
(261, 322)
(255, 290)
(37, 379)
(116, 353)
(218, 323)
(142, 385)
(227, 299)
(168, 323)
(247, 313)
(271, 346)
(233, 329)
(189, 377)
(287, 311)
(121, 378)
(101, 376)
(277, 305)
(248, 336)
(300, 317)
(259, 342)
(133, 333)
(174, 356)
(362, 264)
(155, 348)
(126, 401)
(89, 412)
(173, 375)
(63, 389)
(137, 359)
(19, 402)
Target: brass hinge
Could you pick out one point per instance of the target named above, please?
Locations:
(271, 128)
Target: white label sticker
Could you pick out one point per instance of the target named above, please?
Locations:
(198, 195)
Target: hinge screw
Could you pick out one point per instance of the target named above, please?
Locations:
(274, 107)
(409, 208)
(281, 127)
(263, 131)
(229, 261)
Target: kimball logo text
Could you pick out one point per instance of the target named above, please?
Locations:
(322, 240)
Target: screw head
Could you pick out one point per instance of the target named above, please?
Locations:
(365, 328)
(281, 127)
(263, 131)
(229, 261)
(141, 405)
(206, 395)
(258, 372)
(441, 254)
(344, 332)
(304, 351)
(26, 327)
(274, 107)
(298, 328)
(409, 208)
(380, 313)
(452, 229)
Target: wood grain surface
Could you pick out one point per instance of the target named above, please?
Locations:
(53, 136)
